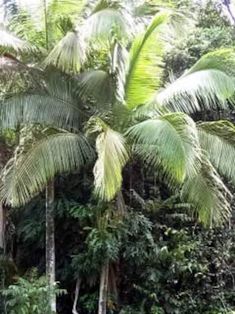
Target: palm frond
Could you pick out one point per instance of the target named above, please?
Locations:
(218, 140)
(52, 155)
(144, 73)
(97, 85)
(68, 54)
(119, 66)
(112, 157)
(107, 18)
(169, 143)
(208, 195)
(9, 42)
(209, 83)
(55, 106)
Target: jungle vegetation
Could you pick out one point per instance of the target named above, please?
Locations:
(117, 157)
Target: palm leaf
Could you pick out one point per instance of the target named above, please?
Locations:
(97, 85)
(106, 18)
(52, 155)
(209, 83)
(55, 106)
(9, 42)
(119, 66)
(68, 54)
(208, 195)
(218, 140)
(112, 157)
(144, 73)
(169, 143)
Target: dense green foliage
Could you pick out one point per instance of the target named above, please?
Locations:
(108, 112)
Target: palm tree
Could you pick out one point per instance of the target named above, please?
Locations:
(154, 121)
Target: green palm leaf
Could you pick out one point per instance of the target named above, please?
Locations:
(112, 157)
(68, 54)
(97, 85)
(144, 73)
(54, 105)
(106, 18)
(208, 195)
(170, 143)
(52, 155)
(218, 140)
(209, 83)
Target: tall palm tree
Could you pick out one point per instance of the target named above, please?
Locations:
(153, 120)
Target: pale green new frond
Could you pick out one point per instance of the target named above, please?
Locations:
(144, 73)
(208, 195)
(112, 157)
(52, 155)
(54, 106)
(68, 54)
(10, 42)
(218, 140)
(170, 143)
(209, 83)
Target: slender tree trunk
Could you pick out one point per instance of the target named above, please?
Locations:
(46, 24)
(2, 228)
(77, 290)
(103, 288)
(50, 244)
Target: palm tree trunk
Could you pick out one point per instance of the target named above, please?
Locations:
(103, 288)
(77, 290)
(46, 24)
(2, 228)
(50, 244)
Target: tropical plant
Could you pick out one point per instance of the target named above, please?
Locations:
(29, 295)
(157, 128)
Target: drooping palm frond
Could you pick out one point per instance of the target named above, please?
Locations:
(144, 73)
(55, 105)
(68, 54)
(107, 18)
(52, 155)
(209, 83)
(170, 143)
(208, 195)
(112, 157)
(218, 140)
(97, 85)
(9, 42)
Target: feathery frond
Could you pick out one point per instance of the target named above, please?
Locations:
(55, 105)
(144, 73)
(107, 18)
(97, 85)
(119, 66)
(112, 157)
(218, 140)
(208, 195)
(52, 155)
(209, 83)
(68, 54)
(170, 143)
(10, 42)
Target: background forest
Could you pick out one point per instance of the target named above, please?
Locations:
(117, 157)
